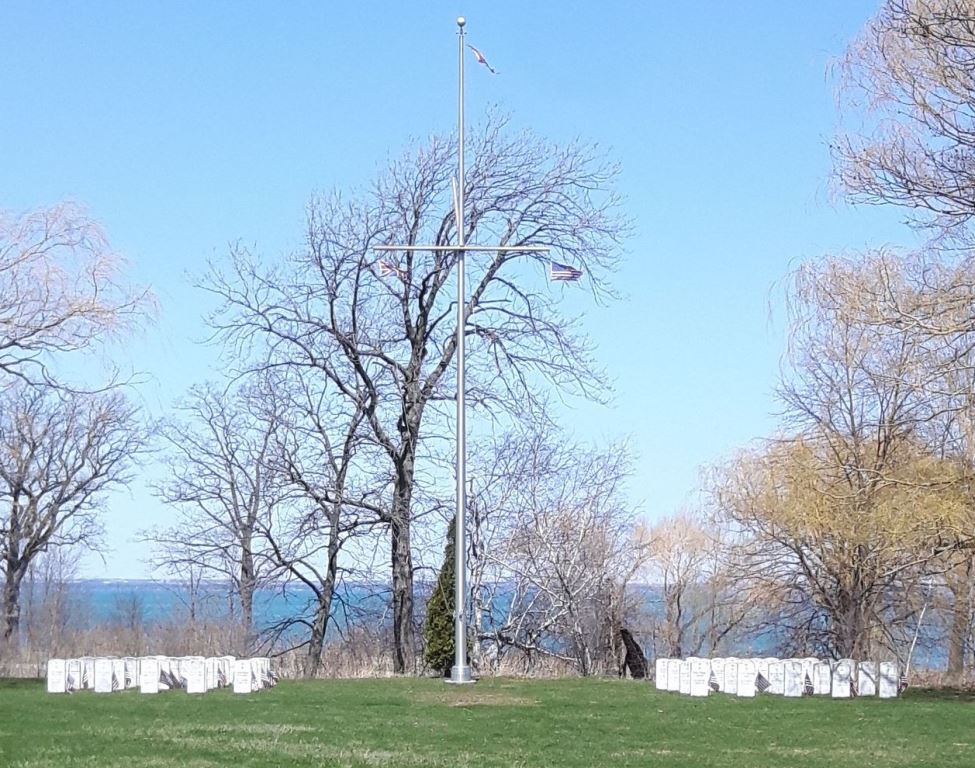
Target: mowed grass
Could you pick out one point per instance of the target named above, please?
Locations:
(498, 722)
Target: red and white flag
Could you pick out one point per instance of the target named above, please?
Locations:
(481, 60)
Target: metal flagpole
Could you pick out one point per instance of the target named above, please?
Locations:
(461, 671)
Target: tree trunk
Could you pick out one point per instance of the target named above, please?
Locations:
(11, 605)
(404, 647)
(961, 620)
(247, 584)
(323, 611)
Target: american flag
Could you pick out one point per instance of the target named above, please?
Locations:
(563, 272)
(713, 683)
(481, 60)
(807, 686)
(902, 684)
(115, 683)
(387, 268)
(761, 683)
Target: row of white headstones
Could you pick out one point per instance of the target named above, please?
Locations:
(785, 677)
(152, 674)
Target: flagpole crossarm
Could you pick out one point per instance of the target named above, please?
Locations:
(477, 248)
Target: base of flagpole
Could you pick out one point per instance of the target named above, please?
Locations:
(460, 676)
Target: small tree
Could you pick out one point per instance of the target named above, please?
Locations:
(439, 630)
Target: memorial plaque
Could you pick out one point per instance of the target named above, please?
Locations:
(700, 673)
(730, 676)
(194, 673)
(889, 680)
(867, 679)
(843, 678)
(747, 674)
(792, 678)
(717, 670)
(673, 674)
(57, 676)
(822, 679)
(776, 677)
(73, 675)
(684, 677)
(242, 676)
(149, 675)
(103, 675)
(660, 674)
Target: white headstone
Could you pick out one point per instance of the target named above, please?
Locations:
(867, 679)
(87, 672)
(889, 680)
(673, 674)
(131, 665)
(822, 679)
(103, 675)
(660, 674)
(761, 668)
(717, 667)
(210, 673)
(242, 676)
(149, 675)
(842, 678)
(792, 679)
(118, 674)
(700, 674)
(747, 674)
(776, 677)
(57, 676)
(730, 676)
(226, 670)
(73, 675)
(194, 672)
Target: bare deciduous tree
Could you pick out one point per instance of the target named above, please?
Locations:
(224, 490)
(553, 551)
(60, 290)
(387, 345)
(60, 454)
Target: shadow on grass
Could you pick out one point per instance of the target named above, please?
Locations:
(20, 683)
(940, 694)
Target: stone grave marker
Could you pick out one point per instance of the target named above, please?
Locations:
(717, 668)
(730, 676)
(73, 675)
(792, 678)
(776, 677)
(194, 671)
(242, 676)
(131, 665)
(822, 679)
(843, 678)
(660, 674)
(118, 674)
(889, 680)
(747, 675)
(88, 672)
(700, 673)
(867, 679)
(149, 674)
(57, 676)
(227, 668)
(103, 675)
(210, 672)
(673, 674)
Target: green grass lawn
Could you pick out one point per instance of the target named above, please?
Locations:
(510, 723)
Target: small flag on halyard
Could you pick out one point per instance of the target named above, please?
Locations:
(481, 60)
(563, 272)
(387, 268)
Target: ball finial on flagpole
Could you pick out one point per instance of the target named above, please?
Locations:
(461, 21)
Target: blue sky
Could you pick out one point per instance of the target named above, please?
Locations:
(184, 126)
